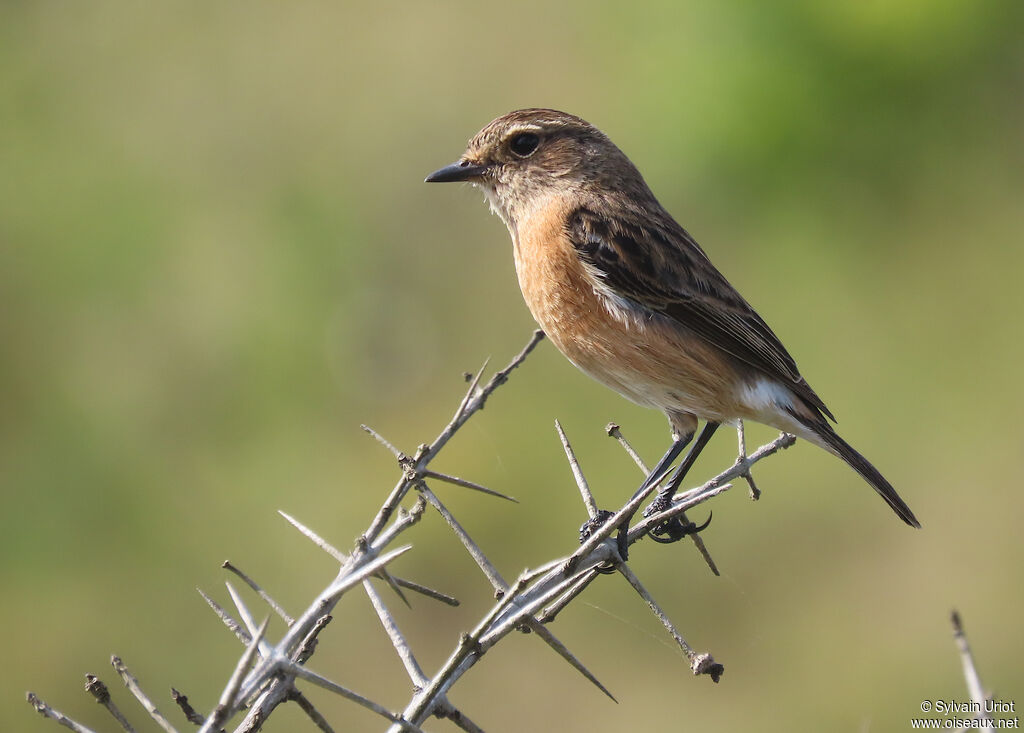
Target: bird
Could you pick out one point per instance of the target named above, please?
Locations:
(629, 297)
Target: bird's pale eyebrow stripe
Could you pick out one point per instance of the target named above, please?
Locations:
(515, 130)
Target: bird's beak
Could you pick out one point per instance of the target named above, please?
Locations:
(462, 170)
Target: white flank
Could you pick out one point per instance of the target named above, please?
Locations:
(765, 395)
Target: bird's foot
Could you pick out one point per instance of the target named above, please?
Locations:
(661, 502)
(676, 529)
(598, 520)
(588, 527)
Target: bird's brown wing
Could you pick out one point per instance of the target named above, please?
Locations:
(658, 266)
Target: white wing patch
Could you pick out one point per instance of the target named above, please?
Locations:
(622, 309)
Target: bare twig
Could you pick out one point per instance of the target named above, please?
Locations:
(276, 691)
(226, 706)
(699, 663)
(582, 581)
(472, 390)
(474, 401)
(395, 583)
(741, 437)
(614, 431)
(95, 687)
(187, 710)
(133, 685)
(308, 646)
(974, 687)
(477, 397)
(55, 715)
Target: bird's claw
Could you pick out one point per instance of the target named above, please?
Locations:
(667, 532)
(675, 529)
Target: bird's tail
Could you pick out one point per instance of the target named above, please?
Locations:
(861, 465)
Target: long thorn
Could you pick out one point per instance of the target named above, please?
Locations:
(236, 628)
(274, 605)
(577, 472)
(321, 681)
(317, 540)
(427, 473)
(383, 441)
(426, 591)
(563, 651)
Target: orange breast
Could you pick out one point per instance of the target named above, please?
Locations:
(645, 357)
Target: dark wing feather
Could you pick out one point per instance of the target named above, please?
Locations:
(658, 266)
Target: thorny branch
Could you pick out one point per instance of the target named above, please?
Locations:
(267, 672)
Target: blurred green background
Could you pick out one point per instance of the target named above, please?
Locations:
(218, 258)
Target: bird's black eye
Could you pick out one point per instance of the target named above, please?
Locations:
(524, 144)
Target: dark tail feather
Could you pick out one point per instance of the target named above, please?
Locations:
(861, 465)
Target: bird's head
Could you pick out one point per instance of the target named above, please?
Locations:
(526, 156)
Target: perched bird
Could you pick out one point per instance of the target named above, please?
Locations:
(627, 295)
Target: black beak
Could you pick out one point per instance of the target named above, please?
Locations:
(461, 171)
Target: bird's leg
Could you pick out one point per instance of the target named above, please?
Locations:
(674, 529)
(656, 474)
(666, 494)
